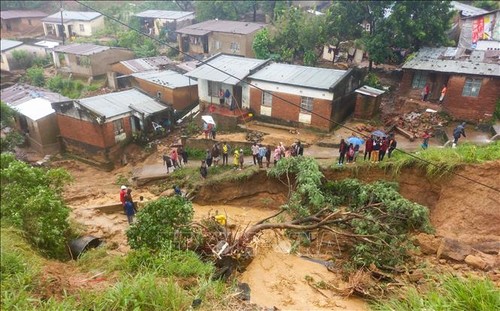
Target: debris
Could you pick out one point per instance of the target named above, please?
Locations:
(477, 262)
(453, 249)
(255, 136)
(244, 291)
(428, 243)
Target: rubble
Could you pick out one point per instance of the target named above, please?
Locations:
(255, 136)
(413, 124)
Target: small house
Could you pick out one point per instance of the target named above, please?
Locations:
(301, 95)
(156, 21)
(21, 23)
(218, 36)
(72, 23)
(94, 127)
(8, 49)
(35, 116)
(480, 32)
(368, 101)
(472, 79)
(126, 67)
(169, 87)
(88, 60)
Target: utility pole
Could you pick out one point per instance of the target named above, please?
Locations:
(62, 23)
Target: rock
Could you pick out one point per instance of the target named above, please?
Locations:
(416, 275)
(167, 193)
(490, 247)
(457, 266)
(428, 243)
(442, 261)
(453, 249)
(477, 262)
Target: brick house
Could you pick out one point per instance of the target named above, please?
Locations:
(74, 23)
(88, 60)
(211, 80)
(472, 79)
(327, 92)
(35, 117)
(154, 21)
(218, 36)
(93, 127)
(20, 23)
(169, 87)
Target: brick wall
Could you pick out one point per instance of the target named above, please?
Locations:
(366, 106)
(405, 85)
(468, 107)
(179, 98)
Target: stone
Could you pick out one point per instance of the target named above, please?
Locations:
(416, 275)
(477, 262)
(167, 193)
(453, 249)
(442, 261)
(428, 243)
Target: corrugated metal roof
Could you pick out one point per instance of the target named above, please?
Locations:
(206, 27)
(20, 93)
(369, 91)
(148, 63)
(119, 103)
(6, 44)
(167, 78)
(47, 44)
(162, 14)
(432, 59)
(310, 77)
(71, 16)
(35, 109)
(236, 66)
(11, 14)
(467, 10)
(81, 48)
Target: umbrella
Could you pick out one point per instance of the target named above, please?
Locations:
(355, 141)
(208, 119)
(379, 133)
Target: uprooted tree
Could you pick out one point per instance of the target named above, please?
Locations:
(374, 220)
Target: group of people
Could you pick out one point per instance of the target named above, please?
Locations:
(375, 149)
(176, 158)
(427, 90)
(128, 204)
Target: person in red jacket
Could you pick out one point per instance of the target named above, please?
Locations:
(368, 148)
(123, 193)
(383, 148)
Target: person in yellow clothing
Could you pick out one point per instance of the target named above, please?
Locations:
(236, 159)
(225, 152)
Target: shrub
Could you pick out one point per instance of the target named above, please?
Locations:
(34, 76)
(22, 58)
(163, 223)
(31, 202)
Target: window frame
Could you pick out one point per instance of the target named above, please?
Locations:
(82, 27)
(265, 103)
(118, 127)
(419, 79)
(471, 83)
(213, 88)
(306, 103)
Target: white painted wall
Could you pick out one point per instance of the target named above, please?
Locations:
(294, 90)
(305, 118)
(245, 96)
(266, 110)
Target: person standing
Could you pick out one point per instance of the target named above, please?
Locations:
(167, 162)
(425, 143)
(268, 156)
(203, 169)
(225, 153)
(425, 92)
(443, 93)
(261, 155)
(123, 193)
(392, 145)
(368, 148)
(255, 152)
(383, 148)
(350, 153)
(342, 151)
(241, 159)
(236, 158)
(227, 96)
(457, 132)
(376, 150)
(216, 154)
(214, 131)
(277, 155)
(174, 157)
(221, 97)
(208, 157)
(129, 209)
(300, 148)
(183, 154)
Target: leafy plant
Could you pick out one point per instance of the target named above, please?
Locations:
(22, 58)
(261, 44)
(34, 76)
(31, 201)
(12, 138)
(163, 223)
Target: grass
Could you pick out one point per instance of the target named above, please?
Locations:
(454, 293)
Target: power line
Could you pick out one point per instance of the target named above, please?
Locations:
(277, 96)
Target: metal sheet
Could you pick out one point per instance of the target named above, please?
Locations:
(71, 16)
(162, 14)
(9, 44)
(166, 78)
(208, 119)
(81, 48)
(234, 27)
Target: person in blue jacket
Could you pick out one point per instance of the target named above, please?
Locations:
(129, 209)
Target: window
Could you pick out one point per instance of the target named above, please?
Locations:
(217, 45)
(118, 126)
(267, 99)
(235, 46)
(82, 28)
(213, 88)
(419, 80)
(472, 87)
(83, 61)
(306, 105)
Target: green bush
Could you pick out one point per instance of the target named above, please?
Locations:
(34, 76)
(22, 58)
(31, 201)
(163, 223)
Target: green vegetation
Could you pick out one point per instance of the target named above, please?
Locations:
(69, 87)
(496, 113)
(34, 76)
(31, 201)
(442, 161)
(453, 293)
(12, 138)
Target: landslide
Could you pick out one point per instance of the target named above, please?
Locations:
(459, 208)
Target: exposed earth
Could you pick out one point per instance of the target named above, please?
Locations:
(277, 277)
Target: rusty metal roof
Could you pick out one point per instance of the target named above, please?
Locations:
(162, 14)
(369, 91)
(81, 48)
(20, 93)
(166, 78)
(303, 76)
(207, 27)
(12, 14)
(483, 63)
